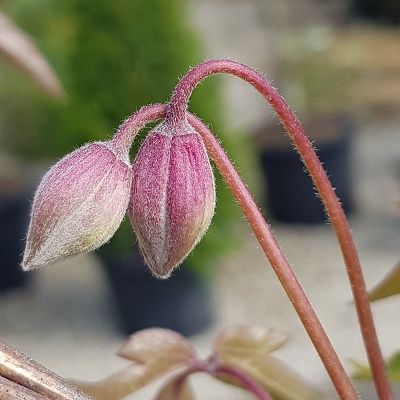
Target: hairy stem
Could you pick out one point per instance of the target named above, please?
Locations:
(279, 263)
(264, 235)
(133, 124)
(176, 116)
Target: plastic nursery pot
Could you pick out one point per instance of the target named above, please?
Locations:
(14, 213)
(387, 11)
(182, 303)
(290, 193)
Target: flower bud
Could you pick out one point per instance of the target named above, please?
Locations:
(172, 197)
(78, 206)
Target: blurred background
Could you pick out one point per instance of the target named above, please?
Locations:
(337, 62)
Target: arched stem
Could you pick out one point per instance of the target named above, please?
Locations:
(133, 124)
(245, 380)
(278, 262)
(176, 115)
(264, 235)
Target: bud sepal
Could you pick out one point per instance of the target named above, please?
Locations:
(79, 204)
(172, 197)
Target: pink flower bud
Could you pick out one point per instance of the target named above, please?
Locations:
(172, 197)
(78, 206)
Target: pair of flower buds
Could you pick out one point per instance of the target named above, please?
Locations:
(168, 194)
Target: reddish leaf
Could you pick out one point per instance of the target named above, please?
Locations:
(155, 343)
(154, 352)
(248, 348)
(245, 341)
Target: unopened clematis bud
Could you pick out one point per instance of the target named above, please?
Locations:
(79, 204)
(172, 197)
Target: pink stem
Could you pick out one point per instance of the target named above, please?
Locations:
(176, 116)
(133, 124)
(245, 380)
(215, 368)
(278, 262)
(265, 237)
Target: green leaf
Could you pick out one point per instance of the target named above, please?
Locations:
(248, 349)
(154, 352)
(363, 372)
(394, 364)
(389, 286)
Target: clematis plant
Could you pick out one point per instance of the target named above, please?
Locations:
(169, 196)
(241, 356)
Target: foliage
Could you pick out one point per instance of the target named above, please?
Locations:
(389, 286)
(157, 352)
(112, 57)
(363, 372)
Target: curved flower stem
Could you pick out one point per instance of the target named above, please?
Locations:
(133, 124)
(245, 380)
(278, 262)
(176, 115)
(215, 368)
(264, 235)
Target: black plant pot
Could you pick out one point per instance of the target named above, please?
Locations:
(182, 303)
(291, 196)
(387, 11)
(14, 212)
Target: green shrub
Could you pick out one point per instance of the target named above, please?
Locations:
(113, 57)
